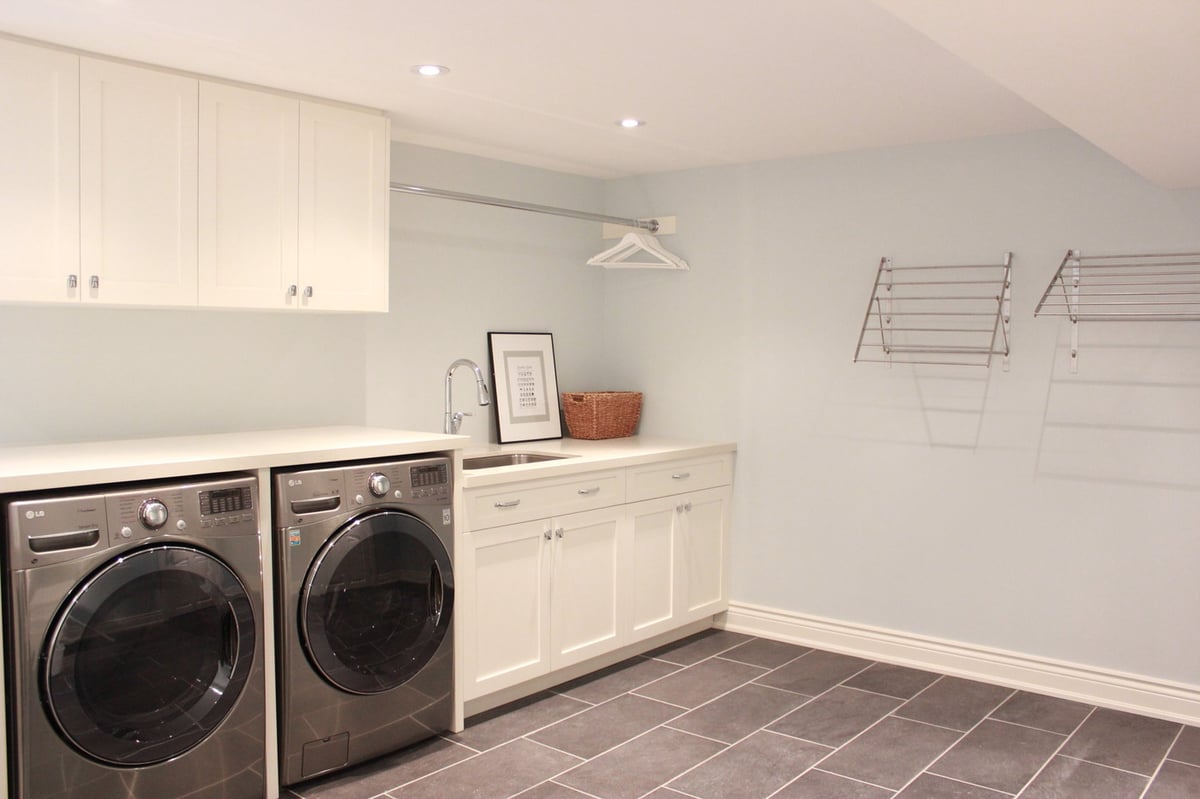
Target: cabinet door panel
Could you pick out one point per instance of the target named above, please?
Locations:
(706, 524)
(138, 156)
(343, 209)
(585, 615)
(39, 134)
(508, 622)
(249, 172)
(654, 590)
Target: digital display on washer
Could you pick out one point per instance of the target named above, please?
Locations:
(422, 476)
(226, 500)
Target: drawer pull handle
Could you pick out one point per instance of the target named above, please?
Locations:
(587, 491)
(558, 533)
(512, 503)
(681, 475)
(547, 535)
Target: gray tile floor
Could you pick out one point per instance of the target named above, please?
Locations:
(724, 716)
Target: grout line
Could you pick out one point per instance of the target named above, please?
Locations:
(851, 779)
(663, 701)
(1050, 759)
(1105, 765)
(652, 791)
(960, 782)
(1158, 770)
(564, 785)
(1027, 726)
(761, 728)
(1182, 762)
(961, 737)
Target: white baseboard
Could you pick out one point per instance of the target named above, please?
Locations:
(1112, 689)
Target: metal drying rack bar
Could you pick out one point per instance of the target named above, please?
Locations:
(945, 315)
(1148, 287)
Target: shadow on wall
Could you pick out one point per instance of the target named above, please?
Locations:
(919, 405)
(1131, 414)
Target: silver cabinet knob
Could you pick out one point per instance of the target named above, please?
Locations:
(153, 514)
(379, 484)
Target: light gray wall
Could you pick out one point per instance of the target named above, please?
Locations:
(461, 270)
(1032, 510)
(83, 374)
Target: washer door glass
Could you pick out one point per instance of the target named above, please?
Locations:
(377, 602)
(148, 655)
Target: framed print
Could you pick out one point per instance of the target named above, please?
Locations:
(526, 386)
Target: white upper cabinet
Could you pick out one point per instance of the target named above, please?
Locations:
(343, 209)
(39, 174)
(130, 185)
(249, 172)
(138, 157)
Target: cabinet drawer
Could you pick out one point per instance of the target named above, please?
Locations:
(539, 499)
(676, 477)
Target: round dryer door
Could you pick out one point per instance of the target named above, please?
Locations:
(148, 655)
(377, 602)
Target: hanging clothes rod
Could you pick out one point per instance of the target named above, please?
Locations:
(650, 225)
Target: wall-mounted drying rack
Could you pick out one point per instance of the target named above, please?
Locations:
(945, 315)
(1150, 287)
(613, 257)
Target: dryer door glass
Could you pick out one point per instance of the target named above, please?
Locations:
(148, 655)
(377, 602)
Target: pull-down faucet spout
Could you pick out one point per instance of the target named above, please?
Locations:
(453, 420)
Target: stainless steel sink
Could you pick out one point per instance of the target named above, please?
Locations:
(508, 459)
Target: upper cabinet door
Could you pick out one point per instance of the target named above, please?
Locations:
(39, 135)
(138, 156)
(343, 209)
(248, 188)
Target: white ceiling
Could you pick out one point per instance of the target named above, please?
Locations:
(542, 82)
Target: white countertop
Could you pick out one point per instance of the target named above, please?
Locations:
(584, 456)
(35, 468)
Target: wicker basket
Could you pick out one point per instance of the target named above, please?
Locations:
(602, 414)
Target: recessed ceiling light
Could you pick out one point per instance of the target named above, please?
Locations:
(430, 70)
(630, 122)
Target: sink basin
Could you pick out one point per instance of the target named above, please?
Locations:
(507, 459)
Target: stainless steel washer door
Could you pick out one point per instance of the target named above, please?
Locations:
(377, 602)
(148, 655)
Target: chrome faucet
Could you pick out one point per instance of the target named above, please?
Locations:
(454, 419)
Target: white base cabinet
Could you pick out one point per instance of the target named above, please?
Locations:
(545, 596)
(555, 588)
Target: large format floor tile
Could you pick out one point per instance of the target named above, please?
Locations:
(720, 715)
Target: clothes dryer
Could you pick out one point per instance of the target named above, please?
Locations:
(134, 642)
(365, 596)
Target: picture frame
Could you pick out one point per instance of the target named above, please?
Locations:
(525, 383)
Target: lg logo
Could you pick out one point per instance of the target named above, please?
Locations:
(35, 514)
(292, 483)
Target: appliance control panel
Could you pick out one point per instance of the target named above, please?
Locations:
(60, 526)
(308, 495)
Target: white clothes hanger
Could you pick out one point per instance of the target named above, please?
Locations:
(635, 244)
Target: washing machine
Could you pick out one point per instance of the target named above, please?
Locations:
(365, 593)
(133, 622)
